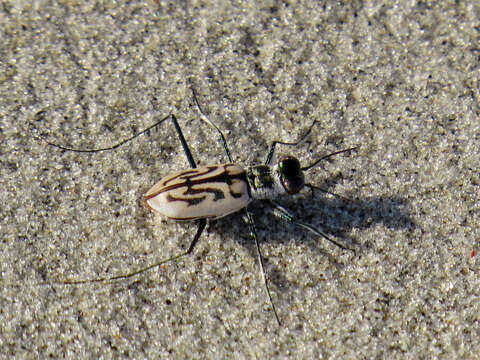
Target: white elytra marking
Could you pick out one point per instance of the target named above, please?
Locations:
(211, 191)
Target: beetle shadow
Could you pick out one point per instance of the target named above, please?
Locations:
(336, 217)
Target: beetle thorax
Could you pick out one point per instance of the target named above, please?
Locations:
(264, 182)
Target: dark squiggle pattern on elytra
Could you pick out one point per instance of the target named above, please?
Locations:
(189, 181)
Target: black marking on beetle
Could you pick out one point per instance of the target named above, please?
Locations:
(237, 195)
(217, 194)
(188, 183)
(183, 173)
(189, 201)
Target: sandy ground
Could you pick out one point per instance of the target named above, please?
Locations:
(399, 80)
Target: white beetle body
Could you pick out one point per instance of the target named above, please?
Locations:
(207, 192)
(213, 191)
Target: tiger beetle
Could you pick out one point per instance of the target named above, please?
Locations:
(214, 191)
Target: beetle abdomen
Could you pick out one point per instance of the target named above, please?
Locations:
(207, 192)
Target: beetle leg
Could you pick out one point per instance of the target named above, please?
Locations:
(201, 227)
(205, 118)
(284, 214)
(271, 150)
(185, 147)
(253, 232)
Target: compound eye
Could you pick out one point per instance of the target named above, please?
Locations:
(291, 175)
